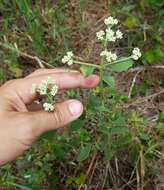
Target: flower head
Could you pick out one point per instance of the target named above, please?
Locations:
(110, 35)
(110, 21)
(100, 35)
(136, 53)
(48, 107)
(54, 90)
(42, 88)
(119, 34)
(108, 55)
(68, 58)
(47, 89)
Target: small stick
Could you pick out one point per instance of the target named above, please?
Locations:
(141, 100)
(89, 169)
(40, 62)
(142, 68)
(106, 174)
(133, 83)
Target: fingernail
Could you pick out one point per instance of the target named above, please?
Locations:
(75, 108)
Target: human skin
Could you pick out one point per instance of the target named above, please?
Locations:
(19, 127)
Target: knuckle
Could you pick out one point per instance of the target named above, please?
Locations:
(76, 77)
(59, 117)
(27, 129)
(10, 82)
(39, 70)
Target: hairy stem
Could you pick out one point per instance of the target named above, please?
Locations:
(87, 64)
(117, 61)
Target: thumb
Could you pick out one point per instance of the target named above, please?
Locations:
(63, 114)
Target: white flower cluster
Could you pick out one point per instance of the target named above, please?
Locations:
(108, 55)
(48, 107)
(68, 58)
(110, 21)
(109, 34)
(100, 35)
(105, 36)
(136, 53)
(47, 88)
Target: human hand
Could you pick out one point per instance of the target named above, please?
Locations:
(19, 127)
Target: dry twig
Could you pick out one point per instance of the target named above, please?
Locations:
(41, 63)
(133, 83)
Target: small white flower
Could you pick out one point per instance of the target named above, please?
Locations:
(115, 21)
(110, 21)
(68, 58)
(50, 80)
(70, 62)
(109, 56)
(43, 91)
(48, 107)
(65, 59)
(33, 88)
(113, 56)
(54, 90)
(119, 34)
(70, 54)
(104, 53)
(136, 54)
(100, 35)
(110, 36)
(48, 89)
(42, 88)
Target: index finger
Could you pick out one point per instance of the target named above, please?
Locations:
(63, 80)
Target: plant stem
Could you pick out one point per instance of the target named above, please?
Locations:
(102, 72)
(87, 64)
(120, 60)
(101, 76)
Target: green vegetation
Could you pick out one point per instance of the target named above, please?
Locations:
(117, 143)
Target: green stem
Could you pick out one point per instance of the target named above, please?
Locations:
(87, 64)
(102, 72)
(101, 80)
(120, 60)
(103, 66)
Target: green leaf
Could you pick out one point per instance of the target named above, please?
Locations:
(84, 152)
(131, 22)
(119, 122)
(86, 70)
(154, 55)
(18, 72)
(118, 130)
(78, 124)
(21, 186)
(109, 154)
(122, 65)
(109, 80)
(144, 136)
(94, 102)
(161, 115)
(155, 2)
(160, 127)
(59, 151)
(80, 179)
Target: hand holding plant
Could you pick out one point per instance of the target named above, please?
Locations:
(19, 126)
